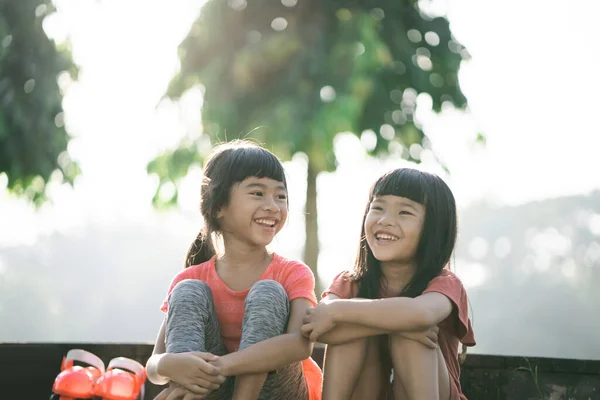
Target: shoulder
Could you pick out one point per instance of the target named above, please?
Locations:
(296, 278)
(288, 266)
(448, 284)
(344, 277)
(447, 279)
(343, 286)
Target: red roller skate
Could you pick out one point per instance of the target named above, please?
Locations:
(75, 381)
(123, 380)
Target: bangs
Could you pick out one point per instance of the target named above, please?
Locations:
(404, 182)
(255, 162)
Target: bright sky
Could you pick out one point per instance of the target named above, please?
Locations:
(530, 85)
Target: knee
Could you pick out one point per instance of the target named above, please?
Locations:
(398, 343)
(267, 292)
(191, 291)
(360, 345)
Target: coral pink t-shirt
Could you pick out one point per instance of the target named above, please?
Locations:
(296, 278)
(455, 329)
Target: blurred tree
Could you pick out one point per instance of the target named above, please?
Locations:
(293, 74)
(33, 140)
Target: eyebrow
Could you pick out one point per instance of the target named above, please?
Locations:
(401, 203)
(263, 186)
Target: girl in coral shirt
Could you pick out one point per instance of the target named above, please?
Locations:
(232, 326)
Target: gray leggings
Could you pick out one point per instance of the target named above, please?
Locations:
(192, 326)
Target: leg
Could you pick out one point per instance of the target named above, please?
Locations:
(285, 383)
(192, 325)
(266, 315)
(420, 373)
(355, 370)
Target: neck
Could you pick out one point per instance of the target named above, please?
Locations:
(241, 255)
(397, 275)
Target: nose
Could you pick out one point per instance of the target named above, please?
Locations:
(385, 220)
(270, 204)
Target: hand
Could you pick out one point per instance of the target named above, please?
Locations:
(429, 338)
(318, 320)
(220, 364)
(193, 371)
(176, 392)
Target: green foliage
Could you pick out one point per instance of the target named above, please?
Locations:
(296, 76)
(171, 167)
(33, 140)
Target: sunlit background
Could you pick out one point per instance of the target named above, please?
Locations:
(94, 263)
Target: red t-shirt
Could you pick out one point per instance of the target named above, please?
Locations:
(296, 278)
(455, 329)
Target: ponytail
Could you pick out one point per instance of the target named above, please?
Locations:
(201, 250)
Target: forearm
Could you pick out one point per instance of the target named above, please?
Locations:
(268, 355)
(152, 369)
(398, 314)
(347, 332)
(157, 353)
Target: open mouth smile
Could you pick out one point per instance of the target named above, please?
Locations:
(383, 237)
(268, 223)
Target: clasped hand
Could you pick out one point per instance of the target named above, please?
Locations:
(319, 320)
(193, 376)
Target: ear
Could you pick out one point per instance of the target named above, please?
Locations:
(220, 213)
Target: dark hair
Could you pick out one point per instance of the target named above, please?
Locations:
(228, 164)
(438, 236)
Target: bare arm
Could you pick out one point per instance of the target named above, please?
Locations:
(362, 317)
(397, 314)
(275, 352)
(157, 354)
(346, 332)
(159, 345)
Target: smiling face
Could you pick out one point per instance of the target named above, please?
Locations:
(393, 227)
(256, 211)
(404, 206)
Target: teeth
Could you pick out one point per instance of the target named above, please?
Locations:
(385, 236)
(268, 222)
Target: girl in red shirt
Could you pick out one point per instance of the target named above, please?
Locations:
(232, 326)
(400, 314)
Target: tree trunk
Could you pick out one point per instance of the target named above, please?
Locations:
(311, 244)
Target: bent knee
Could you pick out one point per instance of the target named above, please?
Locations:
(396, 341)
(267, 291)
(190, 290)
(268, 286)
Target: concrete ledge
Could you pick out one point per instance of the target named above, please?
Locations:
(27, 371)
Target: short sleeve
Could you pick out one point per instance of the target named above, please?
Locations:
(342, 286)
(300, 283)
(181, 276)
(450, 286)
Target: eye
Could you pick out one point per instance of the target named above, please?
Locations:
(405, 213)
(376, 208)
(257, 193)
(282, 197)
